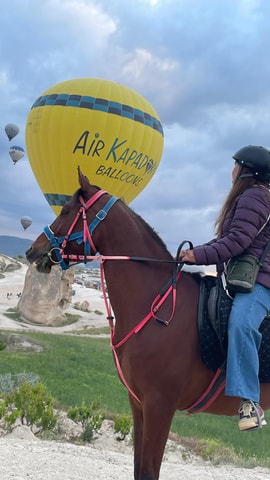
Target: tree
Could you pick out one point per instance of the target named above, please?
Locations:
(32, 405)
(89, 416)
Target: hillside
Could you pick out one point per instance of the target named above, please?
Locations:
(8, 264)
(14, 246)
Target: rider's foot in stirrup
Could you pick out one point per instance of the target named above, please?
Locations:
(251, 415)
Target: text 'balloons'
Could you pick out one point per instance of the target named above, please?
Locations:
(109, 130)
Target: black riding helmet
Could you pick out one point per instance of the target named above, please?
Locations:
(256, 158)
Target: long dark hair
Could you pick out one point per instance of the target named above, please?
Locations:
(238, 187)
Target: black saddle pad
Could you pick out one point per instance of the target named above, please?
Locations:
(213, 314)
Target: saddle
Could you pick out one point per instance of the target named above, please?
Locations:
(213, 314)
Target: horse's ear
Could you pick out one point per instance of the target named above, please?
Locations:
(83, 180)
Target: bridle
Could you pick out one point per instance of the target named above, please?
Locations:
(59, 244)
(65, 261)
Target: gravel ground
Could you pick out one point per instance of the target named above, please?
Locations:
(27, 458)
(31, 460)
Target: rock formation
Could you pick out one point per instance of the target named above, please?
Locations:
(45, 297)
(83, 306)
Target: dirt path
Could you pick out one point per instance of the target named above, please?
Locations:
(43, 460)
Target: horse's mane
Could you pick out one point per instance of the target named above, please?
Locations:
(75, 199)
(149, 229)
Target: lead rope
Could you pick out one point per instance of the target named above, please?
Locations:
(111, 325)
(158, 301)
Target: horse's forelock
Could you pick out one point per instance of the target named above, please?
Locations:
(81, 193)
(75, 197)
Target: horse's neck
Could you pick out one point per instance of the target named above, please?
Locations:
(127, 234)
(146, 256)
(133, 284)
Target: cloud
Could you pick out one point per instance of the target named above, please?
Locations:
(85, 23)
(202, 65)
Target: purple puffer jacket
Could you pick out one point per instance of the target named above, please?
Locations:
(240, 233)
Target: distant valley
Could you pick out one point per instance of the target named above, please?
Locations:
(14, 246)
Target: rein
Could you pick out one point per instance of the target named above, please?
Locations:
(58, 245)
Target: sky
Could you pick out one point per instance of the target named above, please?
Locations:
(202, 64)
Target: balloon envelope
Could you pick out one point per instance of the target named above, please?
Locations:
(16, 153)
(109, 130)
(26, 222)
(11, 130)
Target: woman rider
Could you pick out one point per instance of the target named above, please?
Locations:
(242, 227)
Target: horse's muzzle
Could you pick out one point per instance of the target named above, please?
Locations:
(42, 262)
(29, 255)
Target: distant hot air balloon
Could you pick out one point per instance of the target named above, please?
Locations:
(11, 130)
(26, 222)
(16, 153)
(109, 130)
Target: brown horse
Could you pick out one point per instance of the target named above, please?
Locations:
(156, 342)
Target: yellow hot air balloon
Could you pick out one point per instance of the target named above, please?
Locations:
(109, 130)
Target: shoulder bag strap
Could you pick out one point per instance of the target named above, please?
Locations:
(267, 246)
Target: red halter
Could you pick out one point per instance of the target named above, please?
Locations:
(59, 243)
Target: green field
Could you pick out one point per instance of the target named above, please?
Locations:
(79, 368)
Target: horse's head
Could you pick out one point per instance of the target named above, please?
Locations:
(69, 237)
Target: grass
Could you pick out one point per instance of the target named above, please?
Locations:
(220, 437)
(75, 369)
(80, 368)
(86, 330)
(68, 318)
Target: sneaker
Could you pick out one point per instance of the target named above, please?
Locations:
(251, 415)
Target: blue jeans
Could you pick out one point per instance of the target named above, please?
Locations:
(244, 339)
